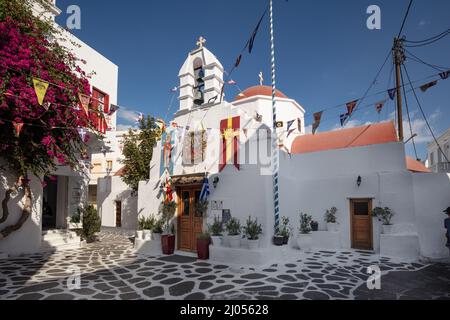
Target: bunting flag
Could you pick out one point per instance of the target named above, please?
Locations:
(18, 128)
(168, 197)
(279, 124)
(429, 85)
(40, 87)
(444, 75)
(251, 41)
(343, 118)
(317, 119)
(174, 89)
(84, 102)
(290, 132)
(229, 129)
(113, 109)
(232, 82)
(258, 117)
(299, 125)
(238, 61)
(289, 124)
(245, 132)
(392, 93)
(379, 106)
(351, 107)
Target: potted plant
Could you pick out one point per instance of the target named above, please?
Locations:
(158, 230)
(141, 227)
(91, 223)
(75, 220)
(167, 210)
(233, 227)
(252, 230)
(285, 230)
(201, 208)
(203, 242)
(384, 215)
(314, 226)
(216, 230)
(278, 238)
(304, 240)
(149, 223)
(331, 220)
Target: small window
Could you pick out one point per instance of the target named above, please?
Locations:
(185, 199)
(109, 165)
(361, 208)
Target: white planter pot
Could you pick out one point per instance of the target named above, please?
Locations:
(140, 235)
(253, 244)
(235, 241)
(75, 226)
(304, 242)
(216, 241)
(147, 235)
(157, 237)
(332, 227)
(388, 229)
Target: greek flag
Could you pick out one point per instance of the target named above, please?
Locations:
(205, 190)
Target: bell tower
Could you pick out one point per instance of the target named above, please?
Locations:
(201, 78)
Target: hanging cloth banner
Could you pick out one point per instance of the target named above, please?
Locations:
(18, 128)
(40, 87)
(343, 118)
(444, 75)
(317, 119)
(379, 106)
(351, 107)
(229, 129)
(392, 93)
(84, 102)
(429, 85)
(289, 124)
(167, 148)
(290, 132)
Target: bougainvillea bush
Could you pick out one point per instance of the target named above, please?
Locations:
(49, 133)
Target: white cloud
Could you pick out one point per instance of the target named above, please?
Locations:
(126, 115)
(125, 127)
(419, 126)
(422, 23)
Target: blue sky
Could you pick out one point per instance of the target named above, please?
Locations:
(326, 56)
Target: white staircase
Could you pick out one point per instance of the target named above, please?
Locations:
(59, 240)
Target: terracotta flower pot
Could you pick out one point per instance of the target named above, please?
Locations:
(168, 244)
(203, 248)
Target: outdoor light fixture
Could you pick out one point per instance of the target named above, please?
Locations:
(216, 182)
(359, 181)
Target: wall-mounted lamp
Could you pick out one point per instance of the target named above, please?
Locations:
(216, 182)
(359, 181)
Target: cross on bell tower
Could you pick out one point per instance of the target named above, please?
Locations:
(201, 42)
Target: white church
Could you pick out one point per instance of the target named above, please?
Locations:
(353, 170)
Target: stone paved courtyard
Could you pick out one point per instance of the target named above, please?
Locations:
(111, 270)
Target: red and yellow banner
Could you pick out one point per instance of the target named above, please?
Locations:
(40, 87)
(229, 130)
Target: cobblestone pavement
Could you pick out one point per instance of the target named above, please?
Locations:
(111, 270)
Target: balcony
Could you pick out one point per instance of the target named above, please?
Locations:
(441, 167)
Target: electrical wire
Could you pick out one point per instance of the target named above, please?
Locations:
(404, 19)
(429, 39)
(427, 43)
(423, 114)
(409, 117)
(433, 66)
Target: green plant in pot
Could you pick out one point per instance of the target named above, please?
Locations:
(216, 230)
(304, 240)
(331, 219)
(252, 230)
(203, 242)
(384, 215)
(314, 226)
(285, 229)
(233, 228)
(141, 226)
(75, 220)
(167, 210)
(91, 223)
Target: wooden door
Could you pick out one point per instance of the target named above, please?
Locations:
(190, 224)
(361, 224)
(118, 214)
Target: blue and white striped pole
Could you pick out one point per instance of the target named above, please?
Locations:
(275, 151)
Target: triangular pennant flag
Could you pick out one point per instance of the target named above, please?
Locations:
(112, 109)
(251, 41)
(238, 61)
(289, 124)
(351, 107)
(174, 89)
(231, 82)
(392, 93)
(289, 133)
(299, 125)
(40, 87)
(84, 102)
(18, 128)
(317, 119)
(258, 117)
(427, 86)
(379, 106)
(343, 118)
(444, 75)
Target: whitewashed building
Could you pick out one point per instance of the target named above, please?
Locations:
(316, 172)
(67, 189)
(438, 155)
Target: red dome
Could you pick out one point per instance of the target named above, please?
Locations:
(259, 91)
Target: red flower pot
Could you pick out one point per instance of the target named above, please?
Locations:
(203, 248)
(168, 244)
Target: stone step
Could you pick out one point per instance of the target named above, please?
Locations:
(56, 237)
(57, 240)
(69, 246)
